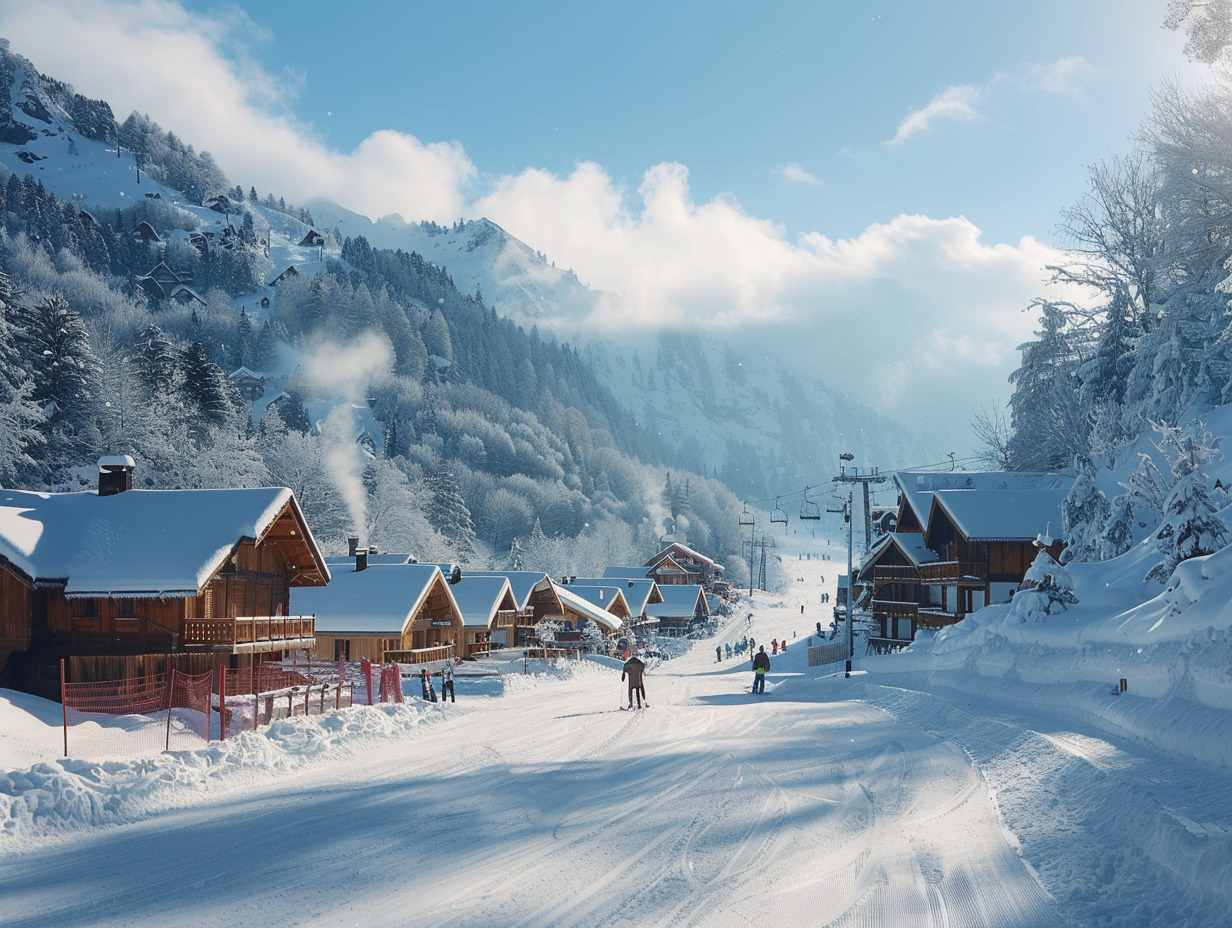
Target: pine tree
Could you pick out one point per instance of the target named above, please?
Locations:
(241, 351)
(1084, 514)
(20, 416)
(1191, 524)
(265, 351)
(206, 390)
(1046, 588)
(1118, 534)
(447, 512)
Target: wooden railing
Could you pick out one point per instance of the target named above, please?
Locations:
(438, 652)
(953, 572)
(245, 631)
(895, 573)
(899, 610)
(934, 618)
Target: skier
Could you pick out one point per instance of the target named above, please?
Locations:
(425, 680)
(447, 682)
(774, 646)
(718, 653)
(727, 648)
(761, 666)
(634, 669)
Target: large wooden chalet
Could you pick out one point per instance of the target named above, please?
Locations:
(678, 563)
(124, 573)
(961, 541)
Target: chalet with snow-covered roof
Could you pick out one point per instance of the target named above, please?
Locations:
(683, 607)
(403, 612)
(122, 573)
(583, 605)
(312, 239)
(286, 274)
(535, 597)
(186, 296)
(678, 563)
(250, 384)
(962, 541)
(486, 603)
(144, 232)
(638, 592)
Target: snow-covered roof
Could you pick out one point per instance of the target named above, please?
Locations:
(603, 596)
(347, 561)
(522, 582)
(917, 487)
(625, 573)
(479, 598)
(382, 599)
(679, 601)
(1003, 515)
(687, 552)
(583, 607)
(638, 591)
(139, 542)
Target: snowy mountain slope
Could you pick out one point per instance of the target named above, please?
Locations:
(731, 410)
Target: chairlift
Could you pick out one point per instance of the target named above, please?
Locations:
(778, 515)
(746, 517)
(808, 509)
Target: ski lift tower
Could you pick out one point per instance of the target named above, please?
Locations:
(851, 480)
(746, 518)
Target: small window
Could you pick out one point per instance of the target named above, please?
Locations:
(126, 608)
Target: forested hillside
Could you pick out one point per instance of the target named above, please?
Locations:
(460, 437)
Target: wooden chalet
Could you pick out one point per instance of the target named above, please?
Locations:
(961, 541)
(584, 604)
(638, 592)
(683, 606)
(250, 384)
(536, 599)
(286, 274)
(486, 604)
(312, 239)
(678, 563)
(144, 232)
(124, 573)
(404, 612)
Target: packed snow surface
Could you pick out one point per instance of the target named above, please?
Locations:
(993, 775)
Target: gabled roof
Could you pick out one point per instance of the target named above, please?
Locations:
(522, 582)
(999, 515)
(480, 598)
(686, 551)
(917, 487)
(680, 600)
(380, 600)
(580, 606)
(909, 544)
(638, 592)
(626, 573)
(144, 542)
(668, 565)
(609, 597)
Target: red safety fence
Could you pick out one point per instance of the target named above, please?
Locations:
(175, 710)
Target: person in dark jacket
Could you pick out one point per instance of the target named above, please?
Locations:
(634, 670)
(761, 667)
(447, 682)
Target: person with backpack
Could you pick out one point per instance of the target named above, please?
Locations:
(635, 670)
(761, 666)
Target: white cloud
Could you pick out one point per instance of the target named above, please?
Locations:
(957, 102)
(1061, 76)
(797, 174)
(921, 306)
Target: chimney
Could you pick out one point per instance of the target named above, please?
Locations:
(352, 544)
(361, 559)
(115, 474)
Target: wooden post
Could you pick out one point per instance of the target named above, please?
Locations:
(64, 706)
(222, 702)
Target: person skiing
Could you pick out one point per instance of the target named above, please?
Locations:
(447, 682)
(774, 646)
(718, 653)
(727, 648)
(761, 666)
(634, 670)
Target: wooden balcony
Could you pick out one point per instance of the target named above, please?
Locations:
(960, 572)
(440, 652)
(895, 573)
(248, 634)
(935, 618)
(895, 609)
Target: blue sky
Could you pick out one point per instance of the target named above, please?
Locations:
(813, 175)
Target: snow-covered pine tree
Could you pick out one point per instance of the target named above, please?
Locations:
(1046, 587)
(447, 512)
(1191, 525)
(206, 390)
(1084, 514)
(156, 364)
(1118, 535)
(20, 416)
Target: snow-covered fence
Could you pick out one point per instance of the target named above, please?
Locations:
(829, 653)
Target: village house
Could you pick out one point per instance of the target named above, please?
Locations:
(250, 384)
(486, 603)
(678, 563)
(961, 541)
(683, 607)
(383, 611)
(535, 598)
(111, 580)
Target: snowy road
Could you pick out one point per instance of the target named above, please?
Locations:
(550, 807)
(889, 799)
